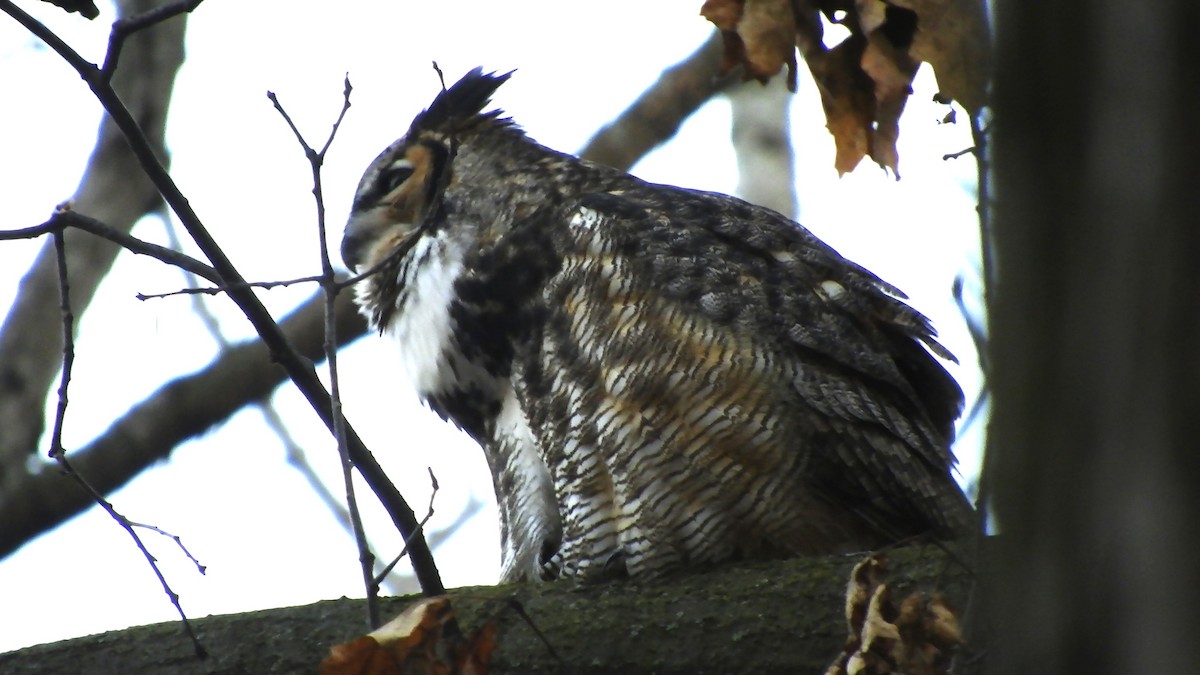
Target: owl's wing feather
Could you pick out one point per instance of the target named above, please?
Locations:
(788, 362)
(689, 243)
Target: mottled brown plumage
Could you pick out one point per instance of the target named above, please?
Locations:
(659, 377)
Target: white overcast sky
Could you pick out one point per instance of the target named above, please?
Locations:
(232, 497)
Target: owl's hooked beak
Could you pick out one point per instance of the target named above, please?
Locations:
(353, 247)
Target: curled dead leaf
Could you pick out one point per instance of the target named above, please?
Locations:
(918, 638)
(416, 642)
(865, 80)
(759, 35)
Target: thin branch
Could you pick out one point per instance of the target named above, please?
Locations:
(404, 551)
(59, 454)
(41, 32)
(64, 217)
(123, 28)
(112, 190)
(202, 569)
(298, 368)
(329, 284)
(973, 150)
(180, 409)
(68, 353)
(218, 290)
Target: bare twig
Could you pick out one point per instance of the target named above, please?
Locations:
(298, 368)
(64, 217)
(41, 32)
(59, 454)
(123, 28)
(202, 569)
(973, 150)
(404, 551)
(180, 409)
(329, 283)
(114, 191)
(218, 290)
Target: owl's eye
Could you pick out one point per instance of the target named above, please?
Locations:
(394, 175)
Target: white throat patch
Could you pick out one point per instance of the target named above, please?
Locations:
(423, 327)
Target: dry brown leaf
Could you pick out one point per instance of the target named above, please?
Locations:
(415, 643)
(759, 35)
(848, 97)
(865, 80)
(916, 639)
(952, 36)
(768, 30)
(723, 14)
(892, 71)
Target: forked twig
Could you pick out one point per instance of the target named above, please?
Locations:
(387, 569)
(330, 285)
(298, 368)
(124, 28)
(59, 454)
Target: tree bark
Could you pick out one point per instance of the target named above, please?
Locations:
(181, 409)
(1096, 369)
(656, 115)
(31, 336)
(762, 141)
(786, 616)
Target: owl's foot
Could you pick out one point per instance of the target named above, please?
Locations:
(585, 570)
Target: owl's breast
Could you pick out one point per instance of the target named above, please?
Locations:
(437, 354)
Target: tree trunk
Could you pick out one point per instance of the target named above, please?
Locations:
(1096, 318)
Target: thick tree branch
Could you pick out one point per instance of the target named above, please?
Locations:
(30, 339)
(763, 143)
(658, 113)
(781, 617)
(181, 409)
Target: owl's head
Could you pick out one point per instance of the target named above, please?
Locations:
(401, 191)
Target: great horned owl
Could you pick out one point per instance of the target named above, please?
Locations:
(659, 377)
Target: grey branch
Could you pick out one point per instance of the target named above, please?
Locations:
(181, 409)
(658, 113)
(763, 143)
(30, 338)
(781, 617)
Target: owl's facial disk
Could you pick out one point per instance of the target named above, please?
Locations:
(393, 199)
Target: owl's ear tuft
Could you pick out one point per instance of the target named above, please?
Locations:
(463, 102)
